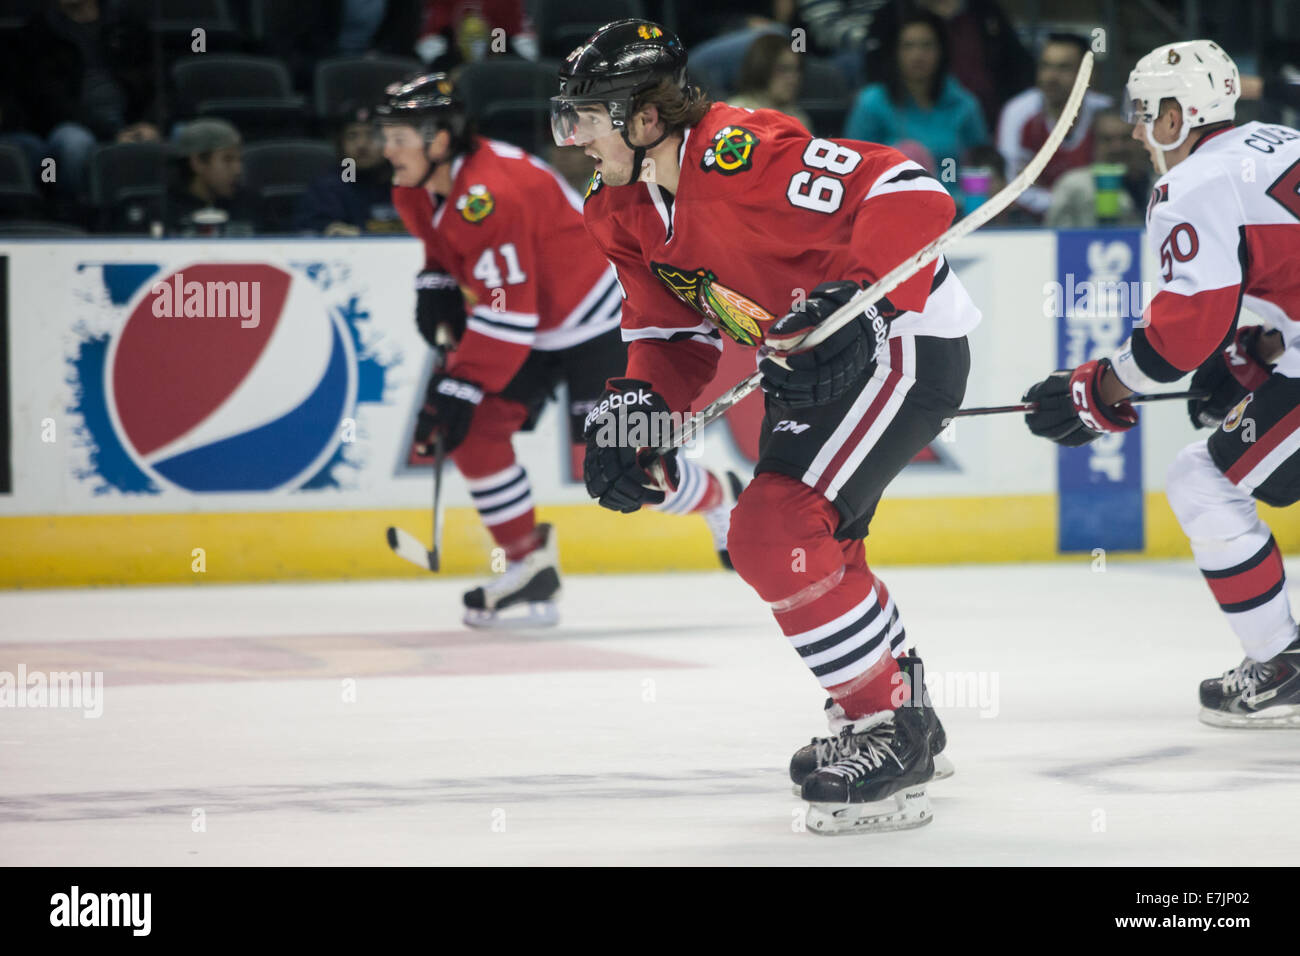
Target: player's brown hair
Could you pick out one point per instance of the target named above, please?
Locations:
(1169, 102)
(677, 108)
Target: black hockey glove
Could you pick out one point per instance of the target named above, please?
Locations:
(620, 469)
(1070, 411)
(438, 302)
(800, 378)
(449, 406)
(1227, 377)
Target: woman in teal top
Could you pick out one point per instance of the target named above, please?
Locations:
(921, 101)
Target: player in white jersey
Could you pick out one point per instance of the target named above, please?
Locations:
(1224, 220)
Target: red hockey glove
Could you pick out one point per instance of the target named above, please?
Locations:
(1069, 409)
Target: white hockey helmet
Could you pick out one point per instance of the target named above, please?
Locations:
(1196, 73)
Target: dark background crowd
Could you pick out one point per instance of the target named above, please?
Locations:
(240, 117)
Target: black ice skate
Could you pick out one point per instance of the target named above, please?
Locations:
(822, 751)
(1256, 694)
(719, 519)
(524, 595)
(881, 784)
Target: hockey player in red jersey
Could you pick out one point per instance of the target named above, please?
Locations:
(1224, 220)
(504, 242)
(728, 221)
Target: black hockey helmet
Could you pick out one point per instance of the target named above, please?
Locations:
(617, 63)
(427, 101)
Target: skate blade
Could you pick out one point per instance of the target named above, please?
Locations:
(534, 614)
(1282, 717)
(943, 769)
(904, 810)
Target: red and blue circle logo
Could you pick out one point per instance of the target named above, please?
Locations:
(224, 377)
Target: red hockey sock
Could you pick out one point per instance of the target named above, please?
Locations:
(874, 690)
(819, 588)
(712, 496)
(518, 537)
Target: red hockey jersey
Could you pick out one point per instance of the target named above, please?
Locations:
(510, 233)
(1224, 225)
(763, 213)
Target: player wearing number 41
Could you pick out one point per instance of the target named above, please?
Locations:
(716, 218)
(503, 240)
(1224, 220)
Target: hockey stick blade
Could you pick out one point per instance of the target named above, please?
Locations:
(887, 283)
(408, 547)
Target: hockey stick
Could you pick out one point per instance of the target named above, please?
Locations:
(905, 270)
(1033, 406)
(404, 544)
(408, 546)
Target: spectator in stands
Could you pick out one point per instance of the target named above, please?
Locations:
(1029, 118)
(359, 22)
(462, 31)
(836, 25)
(208, 164)
(836, 30)
(354, 199)
(981, 177)
(987, 58)
(82, 72)
(715, 64)
(920, 100)
(1099, 194)
(769, 78)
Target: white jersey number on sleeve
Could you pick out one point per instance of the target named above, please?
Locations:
(824, 193)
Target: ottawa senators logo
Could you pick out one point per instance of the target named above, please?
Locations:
(738, 315)
(1158, 195)
(477, 204)
(732, 151)
(1233, 418)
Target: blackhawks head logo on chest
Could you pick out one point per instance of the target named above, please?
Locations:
(477, 204)
(732, 151)
(728, 310)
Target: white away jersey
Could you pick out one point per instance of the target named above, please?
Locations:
(1225, 227)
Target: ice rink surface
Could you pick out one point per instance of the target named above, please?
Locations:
(358, 723)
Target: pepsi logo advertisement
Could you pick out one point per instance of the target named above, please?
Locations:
(229, 377)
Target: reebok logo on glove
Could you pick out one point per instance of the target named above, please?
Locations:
(636, 396)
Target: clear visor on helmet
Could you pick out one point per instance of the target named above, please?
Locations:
(576, 122)
(1137, 108)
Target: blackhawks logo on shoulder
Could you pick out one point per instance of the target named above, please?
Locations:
(477, 204)
(733, 312)
(593, 184)
(732, 151)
